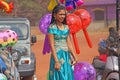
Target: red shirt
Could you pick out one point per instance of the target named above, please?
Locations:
(103, 57)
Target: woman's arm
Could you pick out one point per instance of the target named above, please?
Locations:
(70, 47)
(51, 41)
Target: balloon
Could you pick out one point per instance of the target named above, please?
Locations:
(44, 23)
(84, 16)
(7, 38)
(52, 4)
(46, 48)
(2, 77)
(74, 23)
(78, 2)
(62, 1)
(69, 5)
(76, 43)
(3, 39)
(12, 37)
(87, 38)
(43, 26)
(6, 7)
(84, 71)
(86, 19)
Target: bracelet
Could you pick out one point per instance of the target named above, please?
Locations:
(56, 61)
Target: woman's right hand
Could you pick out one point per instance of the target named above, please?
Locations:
(57, 66)
(74, 62)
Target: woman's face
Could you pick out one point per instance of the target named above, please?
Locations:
(60, 16)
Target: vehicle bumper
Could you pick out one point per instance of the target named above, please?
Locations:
(27, 69)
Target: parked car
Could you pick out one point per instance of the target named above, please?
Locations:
(22, 54)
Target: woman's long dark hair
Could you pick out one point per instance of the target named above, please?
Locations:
(56, 9)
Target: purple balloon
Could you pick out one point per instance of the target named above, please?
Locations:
(44, 23)
(46, 48)
(84, 71)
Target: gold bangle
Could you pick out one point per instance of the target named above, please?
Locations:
(56, 61)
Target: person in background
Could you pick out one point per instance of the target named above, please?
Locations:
(10, 71)
(3, 66)
(100, 60)
(112, 41)
(61, 46)
(103, 51)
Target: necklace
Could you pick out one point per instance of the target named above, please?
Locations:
(60, 27)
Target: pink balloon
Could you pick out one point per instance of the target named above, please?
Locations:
(12, 37)
(3, 39)
(79, 2)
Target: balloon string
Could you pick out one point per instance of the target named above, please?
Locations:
(87, 38)
(76, 43)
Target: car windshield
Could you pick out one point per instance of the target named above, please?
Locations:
(20, 28)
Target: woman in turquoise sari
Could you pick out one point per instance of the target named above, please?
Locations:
(61, 46)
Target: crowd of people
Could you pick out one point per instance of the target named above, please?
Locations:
(107, 47)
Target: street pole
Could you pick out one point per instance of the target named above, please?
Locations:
(117, 27)
(117, 14)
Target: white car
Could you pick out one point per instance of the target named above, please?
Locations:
(21, 52)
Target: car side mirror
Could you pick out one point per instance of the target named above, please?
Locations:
(33, 39)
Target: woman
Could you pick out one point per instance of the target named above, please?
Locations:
(61, 47)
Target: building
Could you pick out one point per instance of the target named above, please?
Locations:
(103, 12)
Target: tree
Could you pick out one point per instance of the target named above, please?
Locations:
(31, 9)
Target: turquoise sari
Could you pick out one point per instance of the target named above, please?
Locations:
(63, 54)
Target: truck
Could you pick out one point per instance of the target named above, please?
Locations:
(21, 52)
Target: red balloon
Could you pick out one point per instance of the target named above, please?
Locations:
(86, 19)
(84, 16)
(76, 44)
(74, 23)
